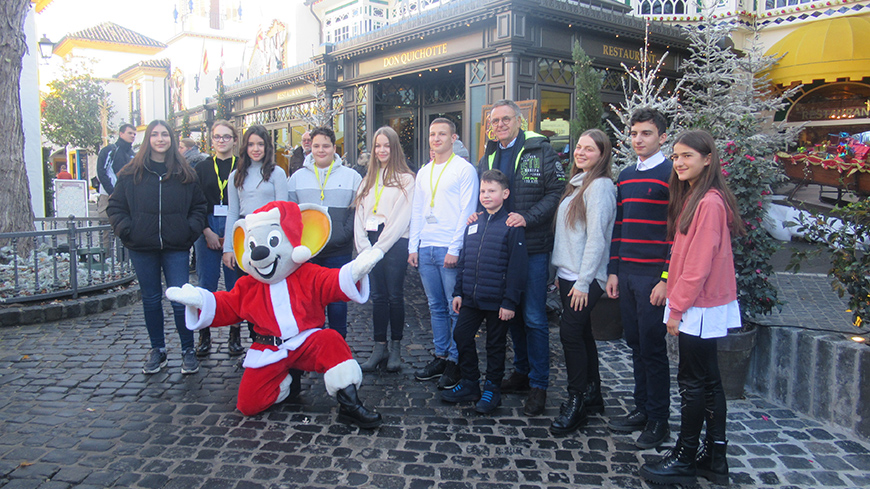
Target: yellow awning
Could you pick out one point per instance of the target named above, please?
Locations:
(824, 50)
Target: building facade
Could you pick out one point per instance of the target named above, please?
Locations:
(452, 61)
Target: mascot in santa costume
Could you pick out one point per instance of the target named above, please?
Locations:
(284, 297)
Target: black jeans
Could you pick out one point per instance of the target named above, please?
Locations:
(387, 282)
(575, 331)
(702, 397)
(645, 332)
(466, 329)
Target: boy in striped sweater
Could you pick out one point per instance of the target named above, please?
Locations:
(637, 275)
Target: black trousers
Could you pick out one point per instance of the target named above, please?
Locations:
(387, 281)
(467, 326)
(575, 331)
(701, 394)
(644, 332)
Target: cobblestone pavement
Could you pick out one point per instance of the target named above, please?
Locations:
(76, 411)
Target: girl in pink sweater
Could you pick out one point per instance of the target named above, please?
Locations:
(702, 305)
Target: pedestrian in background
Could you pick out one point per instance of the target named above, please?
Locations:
(323, 180)
(383, 218)
(701, 306)
(214, 179)
(158, 210)
(191, 152)
(584, 225)
(111, 159)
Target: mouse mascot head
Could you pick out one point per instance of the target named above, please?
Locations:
(278, 238)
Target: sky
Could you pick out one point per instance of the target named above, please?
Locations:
(152, 18)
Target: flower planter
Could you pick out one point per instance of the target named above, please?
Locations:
(734, 351)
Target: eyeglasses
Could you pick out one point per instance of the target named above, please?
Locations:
(504, 120)
(222, 137)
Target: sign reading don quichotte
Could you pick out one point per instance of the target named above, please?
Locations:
(421, 54)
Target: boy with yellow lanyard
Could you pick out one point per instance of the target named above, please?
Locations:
(445, 195)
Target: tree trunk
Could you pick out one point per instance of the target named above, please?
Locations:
(16, 212)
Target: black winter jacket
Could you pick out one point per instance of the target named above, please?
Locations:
(156, 214)
(493, 264)
(537, 186)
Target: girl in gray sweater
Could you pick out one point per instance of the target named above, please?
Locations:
(584, 225)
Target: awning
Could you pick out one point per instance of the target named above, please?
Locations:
(827, 50)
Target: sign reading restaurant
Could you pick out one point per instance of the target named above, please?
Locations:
(630, 55)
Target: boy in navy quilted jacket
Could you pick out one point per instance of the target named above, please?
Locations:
(491, 275)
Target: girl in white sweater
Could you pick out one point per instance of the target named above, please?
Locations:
(382, 220)
(584, 225)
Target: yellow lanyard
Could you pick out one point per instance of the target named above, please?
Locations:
(317, 174)
(432, 175)
(377, 193)
(223, 185)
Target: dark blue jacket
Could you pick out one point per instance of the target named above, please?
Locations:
(492, 268)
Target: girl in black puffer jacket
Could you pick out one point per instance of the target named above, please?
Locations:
(158, 210)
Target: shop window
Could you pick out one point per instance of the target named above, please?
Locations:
(832, 109)
(361, 133)
(612, 81)
(555, 118)
(362, 94)
(390, 92)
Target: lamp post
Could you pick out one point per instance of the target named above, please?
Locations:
(46, 47)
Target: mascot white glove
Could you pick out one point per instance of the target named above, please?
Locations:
(187, 295)
(364, 263)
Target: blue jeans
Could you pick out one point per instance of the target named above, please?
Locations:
(336, 312)
(176, 271)
(388, 290)
(531, 336)
(645, 333)
(438, 282)
(209, 262)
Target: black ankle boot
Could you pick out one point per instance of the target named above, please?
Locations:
(571, 416)
(712, 463)
(351, 409)
(676, 467)
(592, 399)
(203, 347)
(234, 345)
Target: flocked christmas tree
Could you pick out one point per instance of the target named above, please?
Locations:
(727, 94)
(643, 87)
(587, 93)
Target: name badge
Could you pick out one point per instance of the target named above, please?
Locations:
(221, 210)
(371, 224)
(472, 229)
(431, 219)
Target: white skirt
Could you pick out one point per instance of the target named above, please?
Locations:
(708, 322)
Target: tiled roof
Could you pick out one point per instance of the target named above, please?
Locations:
(148, 63)
(113, 33)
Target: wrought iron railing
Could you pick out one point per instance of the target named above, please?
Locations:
(68, 257)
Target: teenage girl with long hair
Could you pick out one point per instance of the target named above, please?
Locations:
(584, 226)
(158, 210)
(702, 306)
(254, 183)
(382, 220)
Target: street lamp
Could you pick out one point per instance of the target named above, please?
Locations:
(45, 47)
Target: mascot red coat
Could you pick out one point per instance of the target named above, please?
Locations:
(284, 297)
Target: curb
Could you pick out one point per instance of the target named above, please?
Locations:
(16, 315)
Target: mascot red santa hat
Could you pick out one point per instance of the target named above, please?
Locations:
(283, 297)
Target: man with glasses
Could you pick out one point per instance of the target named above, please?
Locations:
(297, 159)
(537, 180)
